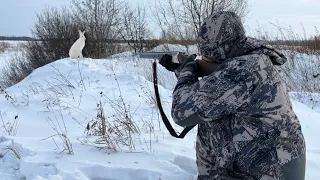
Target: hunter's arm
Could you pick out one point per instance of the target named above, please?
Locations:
(211, 98)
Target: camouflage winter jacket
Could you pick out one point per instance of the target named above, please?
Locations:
(246, 126)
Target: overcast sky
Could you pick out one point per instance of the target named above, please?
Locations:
(17, 16)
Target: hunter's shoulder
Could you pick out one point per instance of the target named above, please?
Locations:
(251, 62)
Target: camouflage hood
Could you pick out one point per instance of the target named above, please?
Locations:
(222, 36)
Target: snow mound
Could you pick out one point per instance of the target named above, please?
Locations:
(63, 97)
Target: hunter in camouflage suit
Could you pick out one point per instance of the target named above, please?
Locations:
(246, 126)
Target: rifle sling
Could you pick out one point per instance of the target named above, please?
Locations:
(163, 115)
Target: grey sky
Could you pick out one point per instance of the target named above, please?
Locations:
(293, 13)
(17, 16)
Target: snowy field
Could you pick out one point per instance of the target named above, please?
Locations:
(14, 47)
(44, 125)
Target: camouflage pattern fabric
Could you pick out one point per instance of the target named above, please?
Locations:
(218, 33)
(246, 126)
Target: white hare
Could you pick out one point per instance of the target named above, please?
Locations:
(76, 49)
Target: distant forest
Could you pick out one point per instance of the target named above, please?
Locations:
(159, 41)
(16, 38)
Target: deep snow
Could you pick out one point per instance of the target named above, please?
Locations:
(68, 91)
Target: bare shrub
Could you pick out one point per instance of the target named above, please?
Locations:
(133, 28)
(15, 70)
(115, 130)
(55, 30)
(4, 46)
(100, 19)
(101, 127)
(182, 19)
(314, 43)
(55, 33)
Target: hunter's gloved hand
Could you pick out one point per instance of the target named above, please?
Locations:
(166, 62)
(188, 65)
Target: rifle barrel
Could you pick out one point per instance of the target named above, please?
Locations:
(156, 55)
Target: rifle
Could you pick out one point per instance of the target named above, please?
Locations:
(176, 58)
(205, 67)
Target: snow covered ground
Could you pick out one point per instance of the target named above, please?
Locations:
(62, 97)
(14, 49)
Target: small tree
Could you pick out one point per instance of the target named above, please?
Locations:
(55, 32)
(182, 19)
(133, 27)
(101, 19)
(57, 29)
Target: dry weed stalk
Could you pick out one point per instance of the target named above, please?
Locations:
(6, 95)
(10, 128)
(117, 129)
(13, 150)
(61, 132)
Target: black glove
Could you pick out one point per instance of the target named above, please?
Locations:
(188, 64)
(166, 62)
(189, 61)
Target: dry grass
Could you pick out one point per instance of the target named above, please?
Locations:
(13, 150)
(61, 131)
(301, 71)
(10, 127)
(16, 69)
(116, 129)
(4, 46)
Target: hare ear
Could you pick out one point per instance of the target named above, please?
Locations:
(79, 32)
(83, 32)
